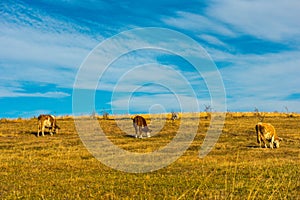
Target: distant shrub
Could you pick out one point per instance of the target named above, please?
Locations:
(3, 120)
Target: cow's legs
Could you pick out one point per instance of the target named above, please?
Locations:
(147, 131)
(136, 130)
(258, 135)
(140, 132)
(56, 129)
(264, 140)
(50, 130)
(260, 142)
(43, 129)
(272, 143)
(38, 133)
(259, 139)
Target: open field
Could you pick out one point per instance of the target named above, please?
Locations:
(60, 167)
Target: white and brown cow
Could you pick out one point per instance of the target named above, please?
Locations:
(47, 121)
(174, 116)
(266, 132)
(140, 125)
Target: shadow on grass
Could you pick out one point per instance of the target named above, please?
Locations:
(129, 136)
(133, 136)
(46, 133)
(253, 146)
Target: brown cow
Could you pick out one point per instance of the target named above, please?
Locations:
(266, 132)
(138, 123)
(47, 121)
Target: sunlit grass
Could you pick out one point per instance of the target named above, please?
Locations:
(60, 167)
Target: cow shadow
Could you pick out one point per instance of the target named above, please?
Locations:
(32, 133)
(133, 136)
(253, 146)
(46, 133)
(129, 136)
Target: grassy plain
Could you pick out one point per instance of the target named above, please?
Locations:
(60, 167)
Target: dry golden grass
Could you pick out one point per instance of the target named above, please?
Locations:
(60, 167)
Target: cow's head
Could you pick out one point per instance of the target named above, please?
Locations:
(56, 128)
(276, 142)
(147, 131)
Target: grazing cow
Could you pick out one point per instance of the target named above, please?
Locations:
(266, 132)
(174, 116)
(47, 121)
(138, 123)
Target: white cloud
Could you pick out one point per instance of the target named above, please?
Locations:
(38, 47)
(269, 20)
(31, 45)
(151, 80)
(24, 15)
(41, 48)
(166, 102)
(272, 20)
(212, 40)
(19, 92)
(108, 64)
(198, 23)
(24, 57)
(263, 81)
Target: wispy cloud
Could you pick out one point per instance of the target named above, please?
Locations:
(212, 40)
(34, 47)
(44, 95)
(254, 43)
(157, 103)
(276, 20)
(251, 42)
(263, 79)
(198, 23)
(10, 91)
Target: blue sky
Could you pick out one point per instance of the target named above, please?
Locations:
(254, 44)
